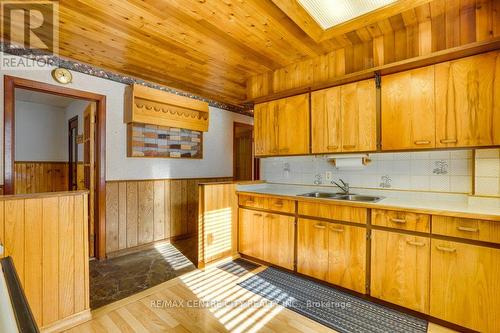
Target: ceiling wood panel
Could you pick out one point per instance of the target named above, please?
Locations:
(213, 47)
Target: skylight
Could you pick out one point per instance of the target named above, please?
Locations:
(329, 13)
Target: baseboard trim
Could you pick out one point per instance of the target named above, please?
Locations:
(68, 322)
(147, 246)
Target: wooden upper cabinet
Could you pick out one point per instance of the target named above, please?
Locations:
(293, 125)
(468, 101)
(266, 128)
(325, 121)
(408, 110)
(344, 118)
(359, 116)
(282, 126)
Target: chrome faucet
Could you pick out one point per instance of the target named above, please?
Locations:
(344, 187)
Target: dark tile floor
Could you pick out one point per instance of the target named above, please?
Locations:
(120, 277)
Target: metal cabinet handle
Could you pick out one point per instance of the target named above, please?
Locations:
(337, 229)
(414, 243)
(446, 249)
(467, 229)
(448, 141)
(249, 202)
(422, 142)
(319, 226)
(349, 146)
(258, 215)
(269, 216)
(395, 220)
(278, 204)
(284, 150)
(332, 147)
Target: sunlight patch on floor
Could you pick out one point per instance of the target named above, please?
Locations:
(238, 309)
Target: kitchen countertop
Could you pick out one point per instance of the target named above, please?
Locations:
(459, 205)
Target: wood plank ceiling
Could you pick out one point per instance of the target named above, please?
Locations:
(208, 47)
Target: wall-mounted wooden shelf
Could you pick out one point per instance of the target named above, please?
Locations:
(144, 105)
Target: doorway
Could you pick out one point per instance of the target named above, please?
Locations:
(44, 152)
(244, 163)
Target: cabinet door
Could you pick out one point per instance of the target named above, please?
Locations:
(347, 256)
(250, 233)
(400, 269)
(266, 128)
(293, 125)
(408, 110)
(325, 121)
(465, 285)
(359, 116)
(312, 248)
(279, 237)
(468, 101)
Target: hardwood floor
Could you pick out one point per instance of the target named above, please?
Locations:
(174, 307)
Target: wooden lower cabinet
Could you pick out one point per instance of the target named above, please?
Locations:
(312, 248)
(332, 252)
(266, 236)
(400, 269)
(465, 287)
(251, 233)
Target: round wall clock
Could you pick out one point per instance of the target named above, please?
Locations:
(62, 75)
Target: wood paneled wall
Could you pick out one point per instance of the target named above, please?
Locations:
(46, 236)
(436, 26)
(218, 222)
(40, 177)
(139, 212)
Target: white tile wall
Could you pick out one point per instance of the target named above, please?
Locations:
(487, 172)
(407, 171)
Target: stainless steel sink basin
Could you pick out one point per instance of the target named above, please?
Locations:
(356, 197)
(341, 196)
(323, 195)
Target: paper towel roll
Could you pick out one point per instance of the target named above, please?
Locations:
(349, 163)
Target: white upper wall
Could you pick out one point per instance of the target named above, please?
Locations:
(218, 142)
(40, 132)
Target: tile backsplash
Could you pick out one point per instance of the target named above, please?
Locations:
(440, 171)
(487, 172)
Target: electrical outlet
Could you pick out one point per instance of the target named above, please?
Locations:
(328, 175)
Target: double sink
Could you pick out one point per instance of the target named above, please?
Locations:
(341, 196)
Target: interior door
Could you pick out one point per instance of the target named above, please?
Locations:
(73, 154)
(89, 119)
(243, 152)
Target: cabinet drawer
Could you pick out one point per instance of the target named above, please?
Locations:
(279, 205)
(401, 220)
(481, 230)
(251, 201)
(334, 212)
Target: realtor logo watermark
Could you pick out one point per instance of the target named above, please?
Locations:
(28, 28)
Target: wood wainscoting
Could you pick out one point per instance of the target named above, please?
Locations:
(140, 212)
(41, 177)
(46, 236)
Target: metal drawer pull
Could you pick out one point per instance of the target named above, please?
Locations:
(258, 215)
(414, 243)
(319, 226)
(278, 204)
(349, 146)
(284, 150)
(332, 147)
(398, 220)
(249, 202)
(269, 216)
(337, 229)
(422, 142)
(448, 141)
(446, 249)
(468, 229)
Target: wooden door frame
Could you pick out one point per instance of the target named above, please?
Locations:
(70, 153)
(10, 84)
(254, 160)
